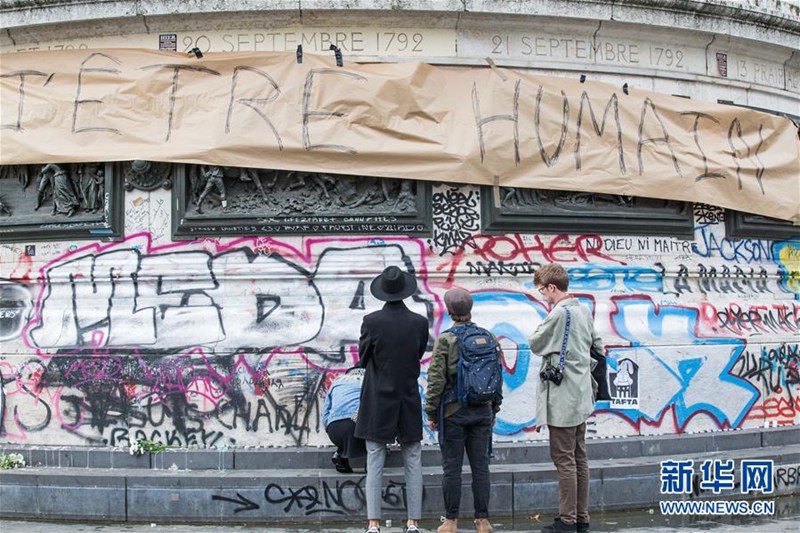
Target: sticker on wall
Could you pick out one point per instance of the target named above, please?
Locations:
(722, 64)
(168, 42)
(15, 302)
(624, 384)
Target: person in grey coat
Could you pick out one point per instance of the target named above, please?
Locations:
(392, 343)
(564, 403)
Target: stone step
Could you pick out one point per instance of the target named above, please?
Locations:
(322, 495)
(320, 457)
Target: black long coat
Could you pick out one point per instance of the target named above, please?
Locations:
(391, 346)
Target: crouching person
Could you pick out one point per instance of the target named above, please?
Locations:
(339, 418)
(462, 405)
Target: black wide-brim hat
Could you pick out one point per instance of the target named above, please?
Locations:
(393, 285)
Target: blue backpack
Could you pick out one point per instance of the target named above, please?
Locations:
(480, 376)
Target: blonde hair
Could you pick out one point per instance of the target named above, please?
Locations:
(552, 273)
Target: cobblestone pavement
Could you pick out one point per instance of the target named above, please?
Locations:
(785, 520)
(634, 522)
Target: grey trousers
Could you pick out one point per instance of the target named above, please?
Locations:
(412, 460)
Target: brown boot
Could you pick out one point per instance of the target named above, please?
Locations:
(449, 525)
(482, 525)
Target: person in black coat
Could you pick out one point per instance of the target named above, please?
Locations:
(392, 343)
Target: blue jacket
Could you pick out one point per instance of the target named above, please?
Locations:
(343, 398)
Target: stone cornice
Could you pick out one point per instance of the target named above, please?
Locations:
(763, 20)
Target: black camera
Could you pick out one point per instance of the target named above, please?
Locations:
(552, 373)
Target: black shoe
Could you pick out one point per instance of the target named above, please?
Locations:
(342, 465)
(558, 525)
(583, 527)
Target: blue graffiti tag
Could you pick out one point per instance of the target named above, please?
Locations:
(592, 277)
(787, 256)
(690, 376)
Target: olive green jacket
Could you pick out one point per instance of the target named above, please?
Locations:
(570, 403)
(444, 367)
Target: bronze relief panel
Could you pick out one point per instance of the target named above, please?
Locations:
(59, 201)
(226, 200)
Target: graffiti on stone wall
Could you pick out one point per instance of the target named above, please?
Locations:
(235, 341)
(271, 326)
(787, 255)
(456, 218)
(345, 497)
(246, 300)
(684, 375)
(775, 370)
(15, 303)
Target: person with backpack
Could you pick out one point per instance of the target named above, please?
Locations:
(565, 396)
(392, 343)
(463, 396)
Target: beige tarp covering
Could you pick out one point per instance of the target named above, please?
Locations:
(408, 120)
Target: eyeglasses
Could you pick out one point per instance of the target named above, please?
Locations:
(541, 288)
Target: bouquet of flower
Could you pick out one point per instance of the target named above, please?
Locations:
(11, 460)
(139, 446)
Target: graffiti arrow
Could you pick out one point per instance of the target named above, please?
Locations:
(248, 505)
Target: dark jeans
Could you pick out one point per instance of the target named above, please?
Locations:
(468, 428)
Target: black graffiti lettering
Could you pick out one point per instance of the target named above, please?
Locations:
(176, 69)
(21, 104)
(335, 497)
(762, 282)
(551, 160)
(31, 425)
(774, 368)
(119, 436)
(262, 411)
(502, 268)
(705, 214)
(682, 280)
(481, 121)
(456, 219)
(254, 103)
(787, 476)
(358, 297)
(307, 112)
(305, 498)
(759, 319)
(243, 504)
(648, 104)
(265, 305)
(695, 131)
(86, 101)
(394, 495)
(344, 498)
(613, 101)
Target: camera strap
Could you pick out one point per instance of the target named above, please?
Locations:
(564, 342)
